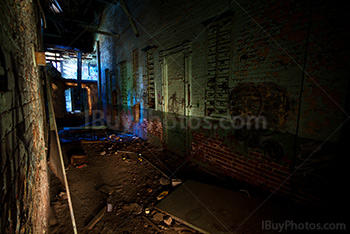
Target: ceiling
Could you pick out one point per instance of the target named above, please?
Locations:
(71, 24)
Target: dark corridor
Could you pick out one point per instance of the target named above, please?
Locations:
(130, 116)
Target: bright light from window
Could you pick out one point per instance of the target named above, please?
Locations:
(68, 100)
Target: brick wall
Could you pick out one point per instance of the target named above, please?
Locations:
(24, 181)
(154, 127)
(254, 168)
(269, 46)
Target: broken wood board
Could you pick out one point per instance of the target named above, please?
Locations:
(93, 142)
(54, 158)
(151, 223)
(210, 209)
(78, 159)
(96, 218)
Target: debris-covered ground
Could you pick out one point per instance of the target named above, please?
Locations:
(114, 185)
(116, 180)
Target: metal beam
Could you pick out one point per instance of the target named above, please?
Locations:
(102, 32)
(99, 76)
(79, 74)
(89, 27)
(70, 20)
(108, 1)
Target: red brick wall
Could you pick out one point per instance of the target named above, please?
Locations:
(254, 168)
(155, 128)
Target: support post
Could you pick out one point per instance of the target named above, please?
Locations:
(99, 76)
(80, 105)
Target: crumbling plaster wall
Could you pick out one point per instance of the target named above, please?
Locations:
(24, 179)
(288, 64)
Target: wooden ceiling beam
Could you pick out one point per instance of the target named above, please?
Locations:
(85, 25)
(130, 18)
(127, 12)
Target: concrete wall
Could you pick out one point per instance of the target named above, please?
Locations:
(283, 60)
(24, 180)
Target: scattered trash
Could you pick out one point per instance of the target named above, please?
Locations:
(149, 190)
(109, 207)
(138, 210)
(163, 227)
(109, 204)
(164, 181)
(137, 175)
(158, 217)
(147, 210)
(92, 142)
(175, 182)
(133, 208)
(151, 223)
(126, 157)
(168, 220)
(78, 159)
(162, 195)
(81, 166)
(113, 136)
(63, 195)
(106, 189)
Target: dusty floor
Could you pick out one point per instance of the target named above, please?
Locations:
(131, 185)
(132, 182)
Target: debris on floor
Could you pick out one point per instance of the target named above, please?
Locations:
(162, 195)
(82, 166)
(96, 218)
(117, 189)
(164, 181)
(168, 221)
(158, 217)
(78, 160)
(175, 182)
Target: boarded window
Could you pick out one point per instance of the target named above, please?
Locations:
(151, 82)
(219, 43)
(124, 88)
(135, 71)
(136, 111)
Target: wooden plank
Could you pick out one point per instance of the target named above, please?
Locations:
(97, 218)
(151, 223)
(130, 18)
(53, 127)
(54, 160)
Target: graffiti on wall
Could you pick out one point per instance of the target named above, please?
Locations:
(267, 99)
(160, 98)
(175, 103)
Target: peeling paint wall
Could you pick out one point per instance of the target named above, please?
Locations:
(24, 180)
(281, 60)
